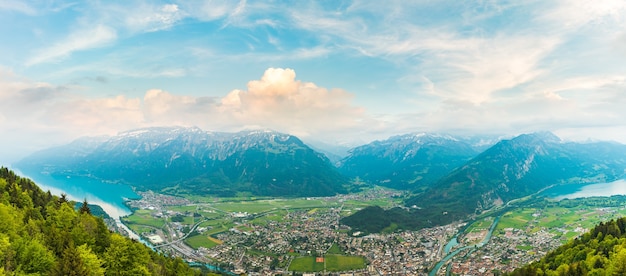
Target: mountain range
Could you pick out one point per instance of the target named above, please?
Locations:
(265, 163)
(519, 167)
(510, 169)
(409, 162)
(442, 174)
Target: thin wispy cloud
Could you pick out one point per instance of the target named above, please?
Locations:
(151, 18)
(16, 5)
(370, 68)
(80, 40)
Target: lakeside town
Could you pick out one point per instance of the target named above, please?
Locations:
(270, 241)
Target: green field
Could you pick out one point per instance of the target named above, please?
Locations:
(344, 263)
(333, 263)
(266, 205)
(252, 207)
(562, 218)
(517, 219)
(480, 225)
(277, 216)
(306, 264)
(138, 228)
(335, 250)
(144, 217)
(200, 241)
(182, 209)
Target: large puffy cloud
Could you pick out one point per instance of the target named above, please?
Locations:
(36, 115)
(277, 101)
(39, 115)
(280, 101)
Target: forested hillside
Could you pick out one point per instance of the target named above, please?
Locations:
(41, 234)
(195, 161)
(602, 251)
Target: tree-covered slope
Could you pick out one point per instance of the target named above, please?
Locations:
(601, 251)
(41, 234)
(411, 161)
(519, 167)
(508, 170)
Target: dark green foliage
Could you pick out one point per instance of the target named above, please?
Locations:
(70, 264)
(374, 219)
(84, 208)
(178, 218)
(43, 235)
(95, 210)
(601, 251)
(510, 169)
(519, 167)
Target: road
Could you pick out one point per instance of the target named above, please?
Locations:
(182, 238)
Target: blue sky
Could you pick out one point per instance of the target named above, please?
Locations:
(335, 71)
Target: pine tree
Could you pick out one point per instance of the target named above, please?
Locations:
(62, 199)
(84, 209)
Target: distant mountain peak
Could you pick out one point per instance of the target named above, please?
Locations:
(519, 167)
(159, 130)
(418, 136)
(543, 136)
(199, 161)
(408, 161)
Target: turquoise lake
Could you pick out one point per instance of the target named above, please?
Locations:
(109, 196)
(572, 191)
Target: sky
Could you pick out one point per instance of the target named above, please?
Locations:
(341, 72)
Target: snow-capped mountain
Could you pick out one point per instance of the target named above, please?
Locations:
(260, 162)
(411, 161)
(519, 167)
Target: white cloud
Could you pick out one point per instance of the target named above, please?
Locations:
(573, 14)
(213, 9)
(19, 6)
(83, 39)
(492, 66)
(44, 114)
(277, 101)
(151, 18)
(481, 67)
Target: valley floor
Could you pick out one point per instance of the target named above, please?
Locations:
(274, 236)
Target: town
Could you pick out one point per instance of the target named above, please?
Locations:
(304, 236)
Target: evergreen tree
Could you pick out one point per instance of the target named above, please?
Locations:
(62, 199)
(84, 209)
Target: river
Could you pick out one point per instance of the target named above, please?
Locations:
(558, 192)
(453, 242)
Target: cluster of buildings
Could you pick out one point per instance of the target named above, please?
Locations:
(153, 201)
(269, 248)
(301, 233)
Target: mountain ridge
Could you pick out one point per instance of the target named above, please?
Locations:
(408, 162)
(200, 161)
(510, 169)
(518, 167)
